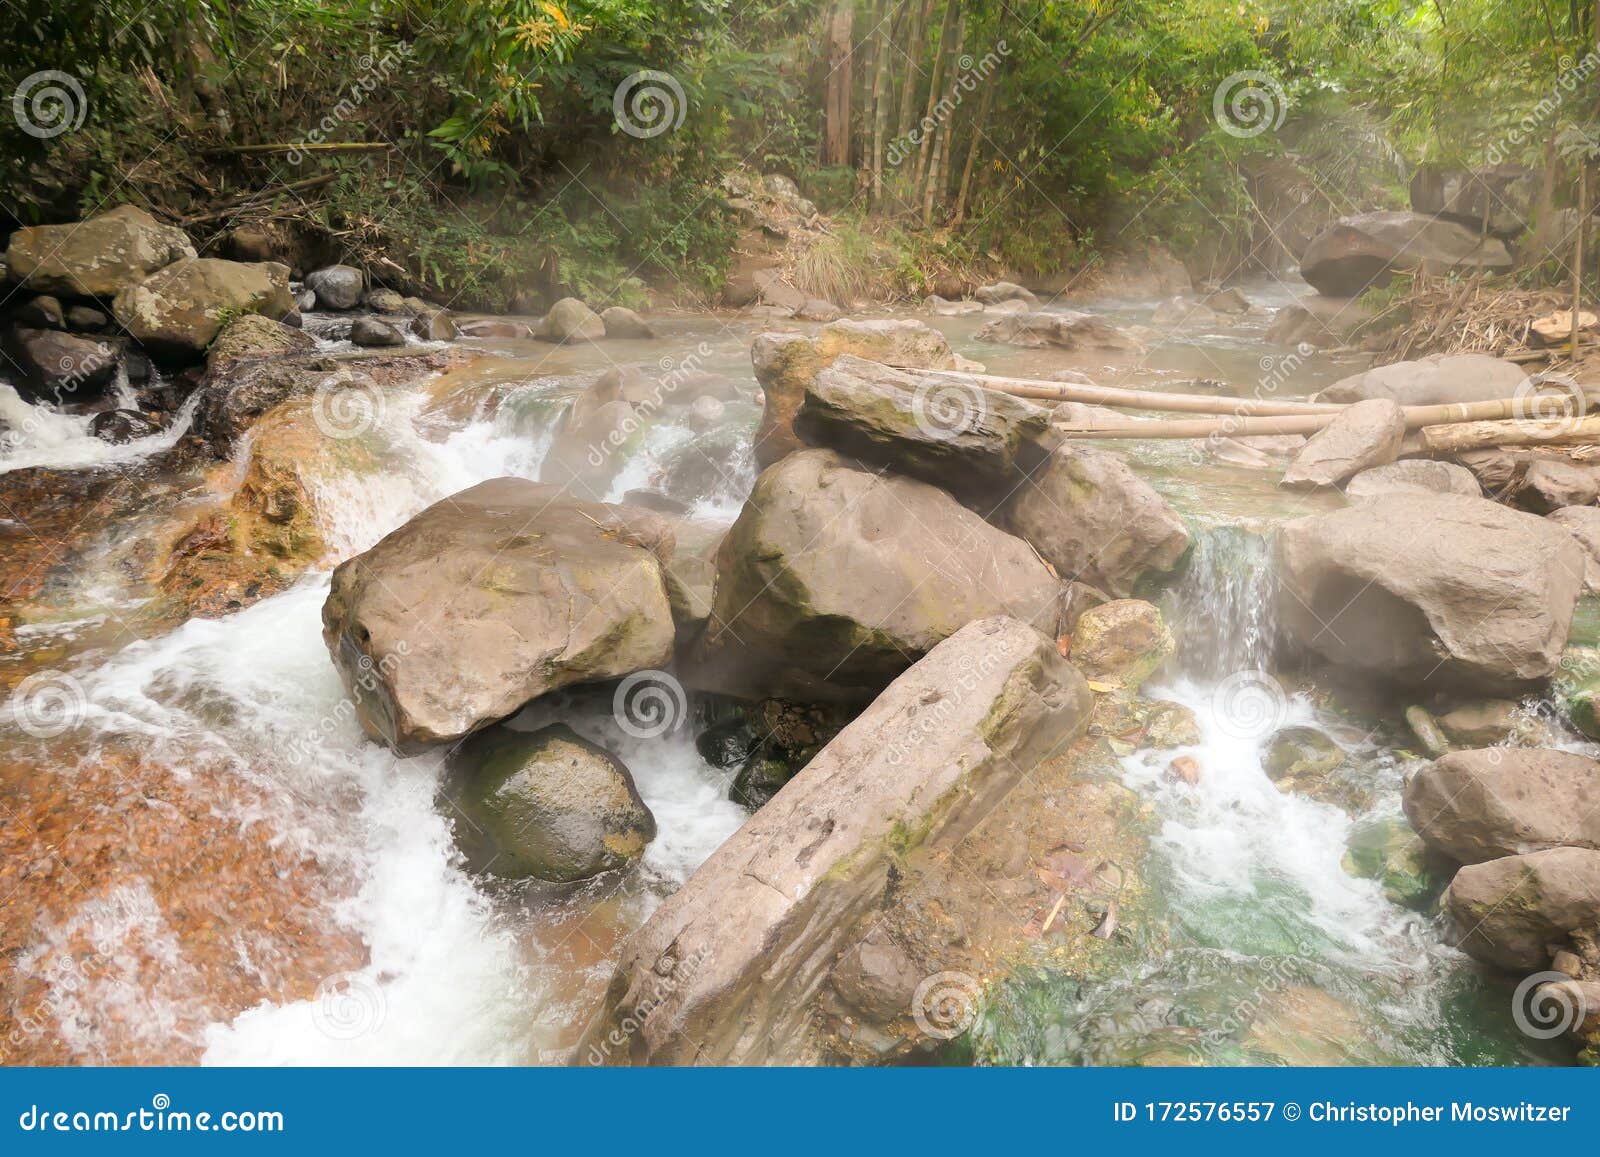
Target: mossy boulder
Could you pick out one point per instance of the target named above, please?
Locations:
(179, 310)
(1121, 642)
(547, 804)
(1310, 762)
(252, 336)
(1388, 851)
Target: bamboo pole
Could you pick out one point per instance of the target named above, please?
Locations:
(1478, 435)
(1138, 399)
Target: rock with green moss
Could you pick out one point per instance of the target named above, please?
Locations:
(1310, 762)
(179, 310)
(1513, 911)
(1388, 851)
(834, 579)
(547, 804)
(1122, 642)
(949, 433)
(252, 336)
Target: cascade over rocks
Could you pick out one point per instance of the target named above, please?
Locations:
(490, 598)
(1432, 589)
(1369, 248)
(98, 257)
(961, 437)
(1505, 801)
(727, 970)
(834, 579)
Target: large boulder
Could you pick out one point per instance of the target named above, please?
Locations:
(63, 367)
(1121, 642)
(1433, 380)
(1497, 199)
(943, 431)
(490, 598)
(1360, 436)
(1515, 911)
(729, 969)
(570, 320)
(834, 579)
(547, 804)
(1095, 520)
(1412, 476)
(337, 286)
(1505, 801)
(252, 336)
(179, 310)
(1070, 330)
(1006, 291)
(1583, 523)
(1434, 589)
(1369, 248)
(622, 322)
(99, 257)
(785, 364)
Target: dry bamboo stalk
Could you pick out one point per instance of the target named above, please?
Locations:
(1141, 399)
(1478, 435)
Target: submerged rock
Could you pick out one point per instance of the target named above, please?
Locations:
(1094, 520)
(1388, 851)
(118, 426)
(1515, 911)
(1310, 762)
(547, 804)
(730, 967)
(1432, 590)
(490, 598)
(834, 579)
(1505, 801)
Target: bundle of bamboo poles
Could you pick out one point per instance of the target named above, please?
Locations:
(1524, 420)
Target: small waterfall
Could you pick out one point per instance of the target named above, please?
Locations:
(1223, 610)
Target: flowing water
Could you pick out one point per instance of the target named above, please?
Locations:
(245, 715)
